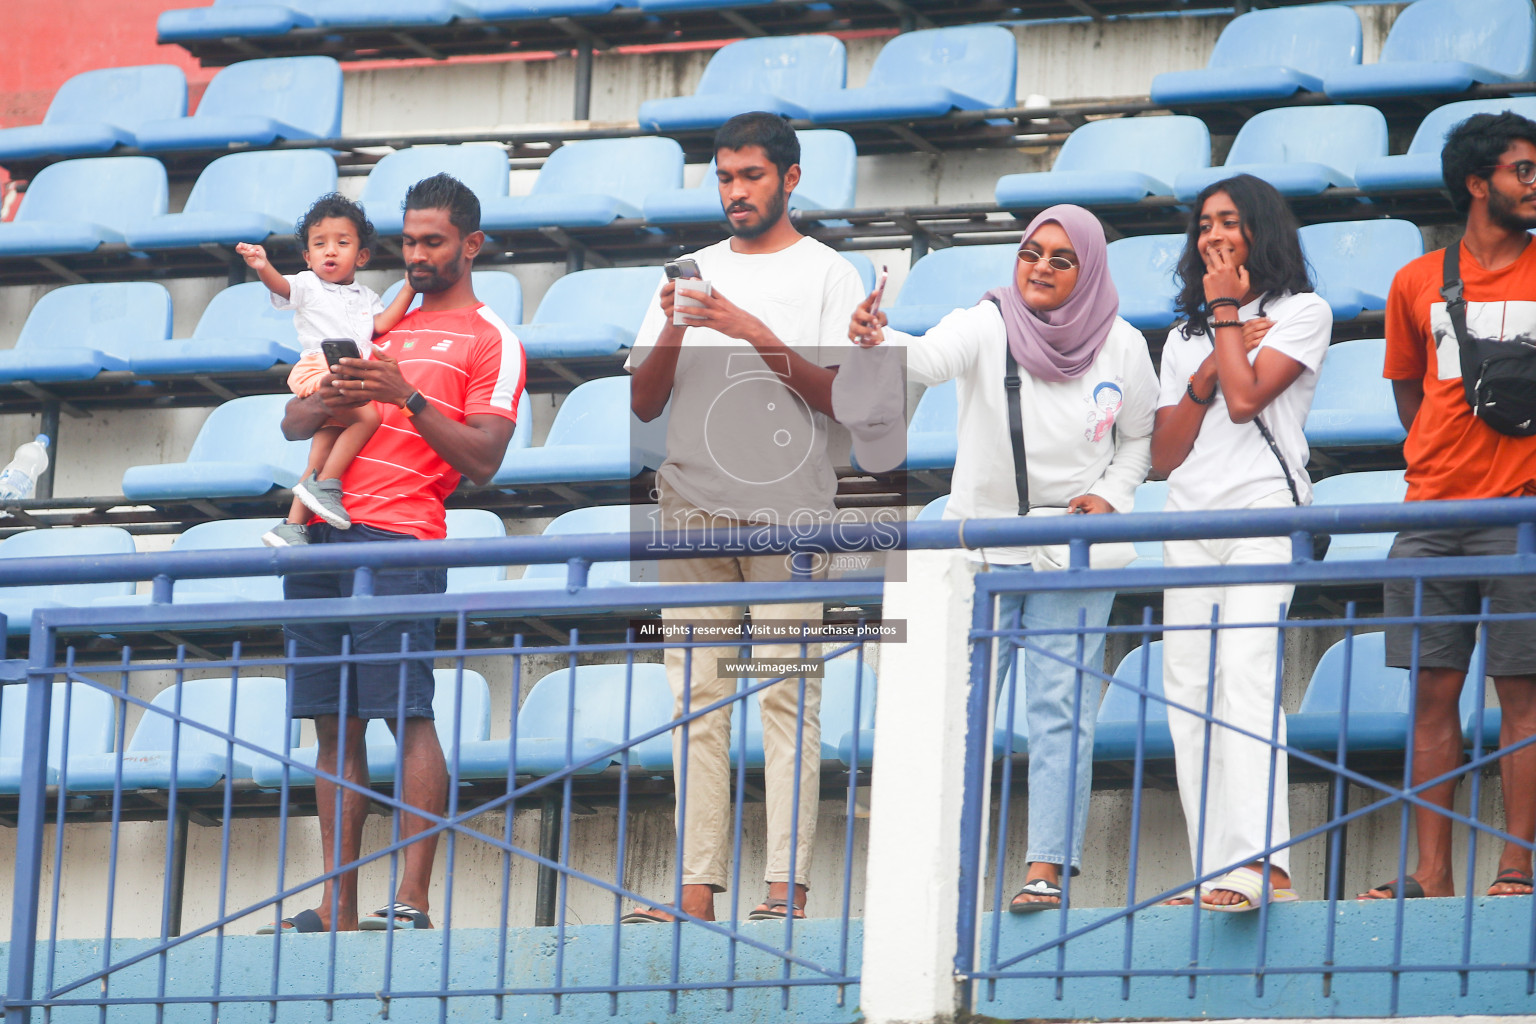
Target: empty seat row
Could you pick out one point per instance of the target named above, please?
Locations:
(76, 206)
(570, 718)
(253, 103)
(1435, 47)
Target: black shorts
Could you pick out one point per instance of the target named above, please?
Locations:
(373, 688)
(1511, 645)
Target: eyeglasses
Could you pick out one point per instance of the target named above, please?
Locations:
(1525, 170)
(1056, 262)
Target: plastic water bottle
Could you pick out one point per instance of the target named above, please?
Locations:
(18, 481)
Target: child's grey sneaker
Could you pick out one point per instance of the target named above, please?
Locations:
(286, 535)
(323, 498)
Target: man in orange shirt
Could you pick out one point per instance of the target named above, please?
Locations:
(1489, 164)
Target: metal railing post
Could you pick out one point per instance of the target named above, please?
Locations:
(26, 889)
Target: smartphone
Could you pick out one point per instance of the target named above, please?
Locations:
(337, 349)
(686, 268)
(885, 275)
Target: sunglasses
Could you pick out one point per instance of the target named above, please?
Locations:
(1525, 170)
(1056, 262)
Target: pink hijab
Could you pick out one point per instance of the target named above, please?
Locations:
(1060, 344)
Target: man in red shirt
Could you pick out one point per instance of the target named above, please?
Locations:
(446, 382)
(1489, 163)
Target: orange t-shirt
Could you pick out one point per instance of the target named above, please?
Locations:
(1450, 452)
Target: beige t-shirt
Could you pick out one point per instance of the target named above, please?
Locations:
(740, 443)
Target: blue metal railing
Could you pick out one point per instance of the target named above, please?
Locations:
(759, 962)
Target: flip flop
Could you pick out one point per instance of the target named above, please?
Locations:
(303, 921)
(1412, 890)
(646, 917)
(774, 909)
(1250, 884)
(1037, 887)
(385, 918)
(1513, 876)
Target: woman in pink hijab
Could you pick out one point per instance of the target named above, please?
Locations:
(1085, 403)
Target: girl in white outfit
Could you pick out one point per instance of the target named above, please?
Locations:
(1237, 381)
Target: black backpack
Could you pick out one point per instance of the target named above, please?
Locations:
(1499, 376)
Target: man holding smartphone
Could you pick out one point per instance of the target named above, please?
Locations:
(446, 381)
(748, 372)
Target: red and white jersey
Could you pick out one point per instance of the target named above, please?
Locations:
(467, 362)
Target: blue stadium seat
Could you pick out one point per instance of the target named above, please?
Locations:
(233, 18)
(590, 313)
(932, 438)
(202, 759)
(949, 279)
(366, 14)
(1114, 161)
(243, 197)
(581, 710)
(77, 206)
(1268, 55)
(1383, 487)
(474, 524)
(507, 10)
(92, 718)
(828, 176)
(239, 452)
(238, 331)
(597, 519)
(18, 603)
(1353, 404)
(480, 166)
(590, 184)
(1493, 718)
(1379, 701)
(76, 332)
(474, 725)
(1150, 496)
(501, 291)
(255, 103)
(1143, 269)
(594, 437)
(1114, 737)
(223, 535)
(838, 726)
(778, 74)
(934, 510)
(1302, 151)
(866, 269)
(1445, 46)
(1419, 168)
(1353, 262)
(95, 111)
(928, 73)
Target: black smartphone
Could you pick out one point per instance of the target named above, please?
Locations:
(686, 268)
(337, 349)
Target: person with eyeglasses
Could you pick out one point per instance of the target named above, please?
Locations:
(1489, 165)
(1238, 376)
(1085, 401)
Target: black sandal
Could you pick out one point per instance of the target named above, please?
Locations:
(1513, 876)
(647, 916)
(774, 909)
(1037, 887)
(1412, 890)
(385, 918)
(303, 921)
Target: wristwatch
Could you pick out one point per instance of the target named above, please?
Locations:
(414, 404)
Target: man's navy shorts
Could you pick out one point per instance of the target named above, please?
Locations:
(373, 688)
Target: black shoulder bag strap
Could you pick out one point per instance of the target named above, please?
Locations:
(1012, 384)
(1456, 309)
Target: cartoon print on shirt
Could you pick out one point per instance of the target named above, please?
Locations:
(1104, 403)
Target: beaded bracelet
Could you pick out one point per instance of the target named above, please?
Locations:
(1189, 388)
(1226, 323)
(1211, 304)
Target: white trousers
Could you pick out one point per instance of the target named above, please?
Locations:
(1246, 673)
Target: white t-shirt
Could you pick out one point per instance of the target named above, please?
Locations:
(1090, 435)
(739, 443)
(1230, 465)
(324, 310)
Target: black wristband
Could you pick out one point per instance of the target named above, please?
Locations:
(1189, 389)
(1213, 303)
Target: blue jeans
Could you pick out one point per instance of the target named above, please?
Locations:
(1047, 692)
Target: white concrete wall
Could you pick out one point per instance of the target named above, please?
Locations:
(1061, 62)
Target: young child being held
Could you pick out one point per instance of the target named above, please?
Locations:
(335, 237)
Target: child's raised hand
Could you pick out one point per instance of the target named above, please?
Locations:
(254, 255)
